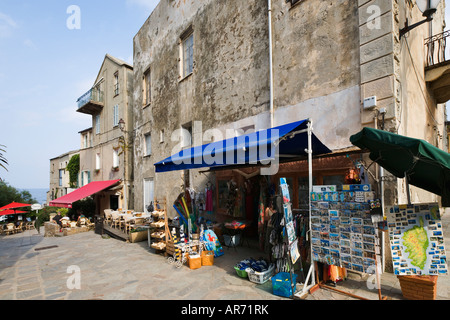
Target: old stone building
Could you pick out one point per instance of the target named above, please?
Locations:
(234, 66)
(59, 176)
(105, 152)
(201, 65)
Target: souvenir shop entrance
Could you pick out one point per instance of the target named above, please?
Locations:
(244, 195)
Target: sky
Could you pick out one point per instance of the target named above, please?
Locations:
(47, 61)
(49, 56)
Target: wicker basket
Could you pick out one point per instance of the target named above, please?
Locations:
(418, 287)
(261, 277)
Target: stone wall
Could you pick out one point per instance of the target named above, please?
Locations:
(316, 75)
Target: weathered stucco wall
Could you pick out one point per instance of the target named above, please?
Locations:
(316, 63)
(316, 50)
(229, 82)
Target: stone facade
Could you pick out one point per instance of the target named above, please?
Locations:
(327, 58)
(105, 150)
(59, 176)
(229, 87)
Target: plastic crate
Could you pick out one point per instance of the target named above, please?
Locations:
(281, 284)
(195, 262)
(207, 258)
(241, 273)
(261, 277)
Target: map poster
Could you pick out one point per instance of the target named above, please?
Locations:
(416, 238)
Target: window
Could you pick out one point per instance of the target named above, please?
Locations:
(115, 158)
(97, 124)
(146, 88)
(116, 115)
(148, 144)
(85, 141)
(148, 193)
(161, 136)
(186, 135)
(97, 161)
(61, 173)
(85, 178)
(116, 83)
(187, 53)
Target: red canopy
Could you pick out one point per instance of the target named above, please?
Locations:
(83, 192)
(15, 205)
(9, 211)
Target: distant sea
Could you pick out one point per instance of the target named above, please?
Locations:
(39, 194)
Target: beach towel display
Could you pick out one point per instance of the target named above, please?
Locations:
(212, 243)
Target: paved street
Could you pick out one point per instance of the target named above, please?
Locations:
(34, 267)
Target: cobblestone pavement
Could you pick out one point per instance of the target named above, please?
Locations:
(114, 270)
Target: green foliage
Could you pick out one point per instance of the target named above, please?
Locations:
(10, 194)
(43, 215)
(87, 207)
(63, 211)
(74, 168)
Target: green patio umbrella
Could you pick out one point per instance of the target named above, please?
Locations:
(422, 164)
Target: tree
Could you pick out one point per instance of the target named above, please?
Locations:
(74, 168)
(3, 161)
(10, 194)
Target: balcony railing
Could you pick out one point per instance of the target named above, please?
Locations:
(436, 49)
(94, 95)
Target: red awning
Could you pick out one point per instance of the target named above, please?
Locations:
(83, 192)
(8, 212)
(15, 205)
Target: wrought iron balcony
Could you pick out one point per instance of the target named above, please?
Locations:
(91, 102)
(437, 66)
(436, 47)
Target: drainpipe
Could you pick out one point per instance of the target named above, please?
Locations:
(271, 64)
(382, 187)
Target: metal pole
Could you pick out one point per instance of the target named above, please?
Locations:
(271, 64)
(310, 152)
(408, 196)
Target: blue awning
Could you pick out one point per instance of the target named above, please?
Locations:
(286, 142)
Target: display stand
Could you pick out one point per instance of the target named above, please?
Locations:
(159, 228)
(290, 237)
(321, 284)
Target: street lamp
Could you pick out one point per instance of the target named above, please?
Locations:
(428, 8)
(122, 125)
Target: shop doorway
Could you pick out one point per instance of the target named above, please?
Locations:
(114, 202)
